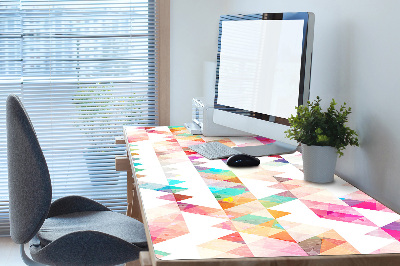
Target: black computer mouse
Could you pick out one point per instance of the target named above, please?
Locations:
(242, 160)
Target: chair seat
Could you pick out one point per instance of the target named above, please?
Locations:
(108, 222)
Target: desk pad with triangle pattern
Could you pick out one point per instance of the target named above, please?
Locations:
(198, 208)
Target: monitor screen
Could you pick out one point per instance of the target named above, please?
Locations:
(263, 72)
(260, 63)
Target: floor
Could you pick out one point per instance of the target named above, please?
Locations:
(10, 256)
(9, 253)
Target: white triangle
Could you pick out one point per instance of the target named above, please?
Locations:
(259, 188)
(201, 227)
(380, 218)
(181, 247)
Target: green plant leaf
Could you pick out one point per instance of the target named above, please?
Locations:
(312, 126)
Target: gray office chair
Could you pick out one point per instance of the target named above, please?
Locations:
(70, 231)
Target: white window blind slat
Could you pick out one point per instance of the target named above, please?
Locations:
(83, 69)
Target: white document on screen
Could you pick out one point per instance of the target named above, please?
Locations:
(260, 63)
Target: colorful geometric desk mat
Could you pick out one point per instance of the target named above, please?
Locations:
(199, 208)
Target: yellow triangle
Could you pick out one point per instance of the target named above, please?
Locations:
(277, 214)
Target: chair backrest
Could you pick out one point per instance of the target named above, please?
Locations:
(29, 183)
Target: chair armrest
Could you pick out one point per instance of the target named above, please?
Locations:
(72, 204)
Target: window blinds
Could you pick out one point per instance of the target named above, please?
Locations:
(83, 69)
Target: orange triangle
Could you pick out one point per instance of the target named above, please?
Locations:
(261, 231)
(277, 214)
(327, 245)
(268, 224)
(283, 236)
(343, 249)
(241, 200)
(233, 179)
(227, 205)
(336, 242)
(332, 234)
(158, 240)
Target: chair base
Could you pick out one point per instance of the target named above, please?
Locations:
(26, 259)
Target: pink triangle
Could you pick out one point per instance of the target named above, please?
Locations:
(226, 225)
(364, 221)
(344, 217)
(380, 233)
(393, 233)
(243, 251)
(294, 250)
(168, 196)
(370, 205)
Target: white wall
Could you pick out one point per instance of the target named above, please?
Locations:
(356, 60)
(194, 41)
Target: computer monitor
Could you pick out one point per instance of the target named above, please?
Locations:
(263, 73)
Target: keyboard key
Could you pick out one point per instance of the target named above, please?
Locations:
(214, 150)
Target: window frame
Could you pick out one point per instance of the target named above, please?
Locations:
(163, 70)
(163, 36)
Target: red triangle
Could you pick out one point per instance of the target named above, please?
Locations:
(179, 197)
(234, 237)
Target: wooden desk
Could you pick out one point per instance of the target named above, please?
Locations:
(199, 211)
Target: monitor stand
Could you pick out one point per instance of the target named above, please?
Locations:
(276, 148)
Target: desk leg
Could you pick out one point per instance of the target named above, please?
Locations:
(129, 192)
(133, 201)
(133, 263)
(133, 210)
(144, 260)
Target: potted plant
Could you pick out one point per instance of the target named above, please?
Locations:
(99, 106)
(323, 135)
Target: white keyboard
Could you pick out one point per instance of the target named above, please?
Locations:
(214, 150)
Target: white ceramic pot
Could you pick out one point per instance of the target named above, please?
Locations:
(319, 163)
